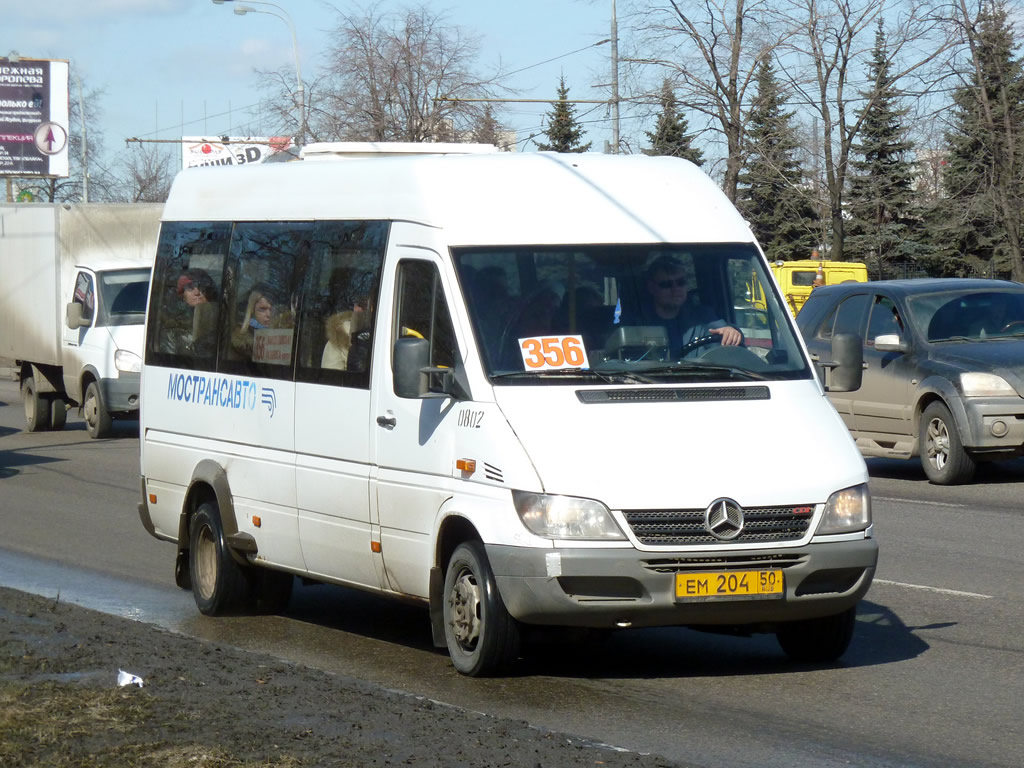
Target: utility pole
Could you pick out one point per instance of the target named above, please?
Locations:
(615, 82)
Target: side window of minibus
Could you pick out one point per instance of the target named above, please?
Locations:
(261, 297)
(339, 301)
(423, 311)
(186, 294)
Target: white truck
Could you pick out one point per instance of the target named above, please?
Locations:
(74, 280)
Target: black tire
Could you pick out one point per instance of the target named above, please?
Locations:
(482, 638)
(58, 413)
(271, 591)
(943, 457)
(37, 408)
(219, 584)
(818, 640)
(97, 418)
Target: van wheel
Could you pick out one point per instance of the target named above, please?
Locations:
(219, 583)
(97, 418)
(271, 591)
(58, 413)
(482, 637)
(37, 409)
(818, 640)
(943, 456)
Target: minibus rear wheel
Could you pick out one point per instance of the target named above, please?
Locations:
(482, 638)
(818, 640)
(219, 583)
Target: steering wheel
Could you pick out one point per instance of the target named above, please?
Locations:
(700, 341)
(1011, 324)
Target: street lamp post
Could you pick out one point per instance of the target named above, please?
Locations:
(241, 10)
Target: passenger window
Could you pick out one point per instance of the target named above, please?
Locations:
(339, 298)
(186, 295)
(261, 294)
(422, 311)
(850, 317)
(885, 319)
(85, 295)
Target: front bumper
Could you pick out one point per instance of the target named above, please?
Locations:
(121, 395)
(626, 587)
(993, 423)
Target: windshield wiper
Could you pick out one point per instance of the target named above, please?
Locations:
(685, 367)
(610, 377)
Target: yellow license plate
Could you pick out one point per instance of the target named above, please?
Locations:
(723, 585)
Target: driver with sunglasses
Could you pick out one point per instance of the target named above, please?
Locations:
(667, 284)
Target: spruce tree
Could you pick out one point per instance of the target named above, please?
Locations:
(772, 193)
(669, 136)
(977, 224)
(885, 225)
(488, 129)
(563, 132)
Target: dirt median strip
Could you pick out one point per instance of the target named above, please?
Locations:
(203, 704)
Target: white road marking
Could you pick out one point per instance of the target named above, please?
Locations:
(940, 590)
(917, 501)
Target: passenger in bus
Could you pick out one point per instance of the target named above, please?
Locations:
(189, 324)
(668, 287)
(259, 313)
(343, 328)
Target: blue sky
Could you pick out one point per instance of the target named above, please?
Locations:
(165, 63)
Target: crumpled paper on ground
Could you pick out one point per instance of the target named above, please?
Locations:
(127, 678)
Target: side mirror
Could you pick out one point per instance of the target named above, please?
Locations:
(846, 368)
(73, 316)
(413, 376)
(890, 342)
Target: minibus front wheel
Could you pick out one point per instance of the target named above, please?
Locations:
(219, 583)
(482, 637)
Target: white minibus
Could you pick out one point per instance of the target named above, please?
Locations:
(529, 390)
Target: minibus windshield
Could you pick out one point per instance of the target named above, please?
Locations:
(627, 314)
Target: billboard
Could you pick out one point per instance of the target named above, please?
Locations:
(34, 117)
(229, 150)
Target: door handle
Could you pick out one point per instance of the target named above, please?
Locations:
(386, 421)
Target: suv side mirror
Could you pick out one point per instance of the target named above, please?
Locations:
(73, 316)
(414, 377)
(890, 342)
(846, 369)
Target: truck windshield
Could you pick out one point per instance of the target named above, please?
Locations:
(123, 295)
(627, 314)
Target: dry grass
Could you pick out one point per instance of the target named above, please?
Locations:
(70, 725)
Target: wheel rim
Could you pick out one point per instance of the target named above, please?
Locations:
(205, 577)
(90, 410)
(938, 443)
(464, 604)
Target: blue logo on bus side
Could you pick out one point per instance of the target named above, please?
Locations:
(216, 391)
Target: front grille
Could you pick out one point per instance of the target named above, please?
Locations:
(685, 527)
(723, 562)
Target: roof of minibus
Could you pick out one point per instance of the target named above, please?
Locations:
(478, 199)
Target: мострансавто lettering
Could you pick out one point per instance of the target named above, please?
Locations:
(212, 390)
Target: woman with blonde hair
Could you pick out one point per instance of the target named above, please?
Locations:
(259, 311)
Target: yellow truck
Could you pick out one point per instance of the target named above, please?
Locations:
(798, 278)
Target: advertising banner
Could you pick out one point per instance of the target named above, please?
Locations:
(198, 150)
(34, 117)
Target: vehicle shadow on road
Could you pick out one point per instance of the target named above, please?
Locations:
(1010, 471)
(879, 638)
(11, 461)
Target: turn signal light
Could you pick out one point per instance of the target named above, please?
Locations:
(375, 547)
(257, 520)
(466, 465)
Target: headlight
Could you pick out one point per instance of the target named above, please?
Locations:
(127, 362)
(985, 385)
(847, 511)
(565, 517)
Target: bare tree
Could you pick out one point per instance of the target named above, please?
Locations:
(399, 77)
(146, 174)
(710, 51)
(827, 59)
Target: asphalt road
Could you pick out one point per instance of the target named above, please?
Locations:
(935, 675)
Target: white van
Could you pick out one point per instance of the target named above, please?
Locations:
(446, 377)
